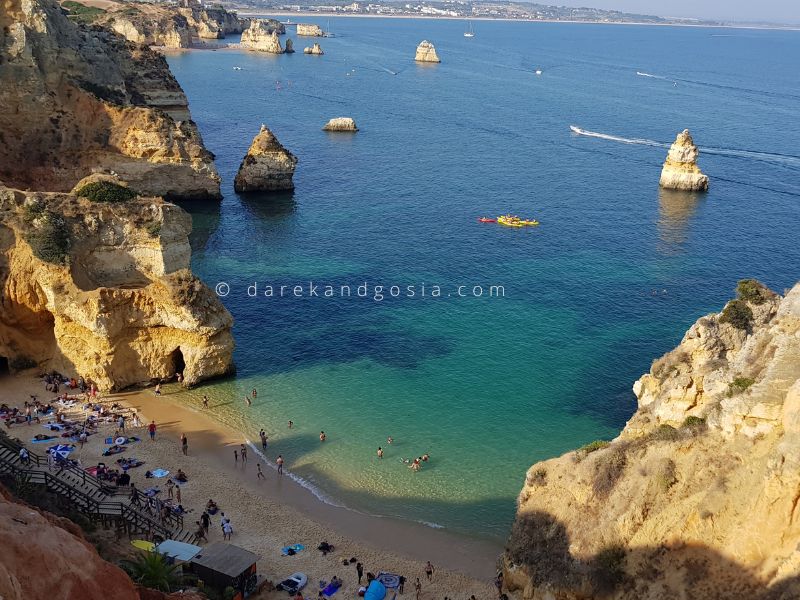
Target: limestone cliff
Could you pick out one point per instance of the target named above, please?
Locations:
(316, 49)
(103, 289)
(698, 496)
(267, 166)
(680, 170)
(309, 30)
(340, 124)
(216, 22)
(261, 36)
(76, 100)
(426, 53)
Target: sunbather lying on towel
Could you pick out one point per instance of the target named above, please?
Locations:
(115, 449)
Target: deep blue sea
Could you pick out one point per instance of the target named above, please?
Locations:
(610, 280)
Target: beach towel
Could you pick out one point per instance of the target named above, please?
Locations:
(159, 473)
(91, 471)
(295, 548)
(390, 580)
(53, 426)
(330, 590)
(47, 439)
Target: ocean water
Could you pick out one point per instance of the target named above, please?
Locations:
(610, 280)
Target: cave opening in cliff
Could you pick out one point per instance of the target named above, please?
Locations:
(4, 370)
(176, 358)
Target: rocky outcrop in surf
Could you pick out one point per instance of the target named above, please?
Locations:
(76, 100)
(341, 124)
(697, 497)
(97, 283)
(261, 36)
(315, 49)
(289, 46)
(680, 170)
(267, 166)
(426, 53)
(309, 30)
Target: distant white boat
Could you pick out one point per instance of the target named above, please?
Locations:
(538, 71)
(328, 33)
(577, 130)
(237, 68)
(469, 32)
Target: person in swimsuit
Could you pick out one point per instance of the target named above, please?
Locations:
(322, 436)
(380, 452)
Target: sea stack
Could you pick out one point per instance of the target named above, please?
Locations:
(680, 170)
(309, 30)
(315, 49)
(261, 36)
(426, 53)
(266, 167)
(341, 124)
(289, 47)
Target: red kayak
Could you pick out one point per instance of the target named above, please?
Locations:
(485, 220)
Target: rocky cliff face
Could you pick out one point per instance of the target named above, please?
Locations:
(698, 496)
(77, 100)
(215, 23)
(426, 53)
(309, 30)
(104, 290)
(680, 170)
(262, 36)
(267, 166)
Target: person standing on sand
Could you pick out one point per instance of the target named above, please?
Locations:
(429, 570)
(227, 530)
(244, 453)
(260, 475)
(136, 421)
(263, 435)
(205, 401)
(184, 444)
(360, 571)
(279, 462)
(380, 452)
(170, 487)
(121, 423)
(158, 389)
(401, 582)
(178, 494)
(322, 436)
(151, 429)
(418, 587)
(205, 519)
(236, 457)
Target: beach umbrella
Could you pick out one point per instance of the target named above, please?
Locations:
(120, 440)
(61, 450)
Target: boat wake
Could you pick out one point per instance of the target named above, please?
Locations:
(641, 74)
(771, 157)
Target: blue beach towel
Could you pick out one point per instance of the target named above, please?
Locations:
(296, 548)
(330, 590)
(159, 473)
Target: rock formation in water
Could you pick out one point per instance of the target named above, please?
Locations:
(103, 289)
(309, 30)
(680, 170)
(261, 36)
(426, 53)
(76, 100)
(266, 167)
(289, 46)
(698, 496)
(340, 124)
(315, 49)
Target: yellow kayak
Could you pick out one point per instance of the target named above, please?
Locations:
(144, 545)
(510, 221)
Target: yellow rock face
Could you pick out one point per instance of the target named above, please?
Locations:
(124, 308)
(680, 170)
(704, 508)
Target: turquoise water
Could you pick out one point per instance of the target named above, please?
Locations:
(610, 280)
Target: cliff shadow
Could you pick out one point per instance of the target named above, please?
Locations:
(541, 544)
(268, 205)
(205, 220)
(675, 211)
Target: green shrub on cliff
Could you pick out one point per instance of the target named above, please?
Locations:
(610, 467)
(753, 291)
(106, 191)
(49, 239)
(82, 13)
(738, 314)
(739, 385)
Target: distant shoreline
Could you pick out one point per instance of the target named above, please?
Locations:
(247, 12)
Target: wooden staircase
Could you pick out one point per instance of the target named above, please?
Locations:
(98, 500)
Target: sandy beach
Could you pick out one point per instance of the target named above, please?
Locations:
(268, 514)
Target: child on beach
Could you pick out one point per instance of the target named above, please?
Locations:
(244, 453)
(151, 429)
(279, 462)
(260, 475)
(205, 401)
